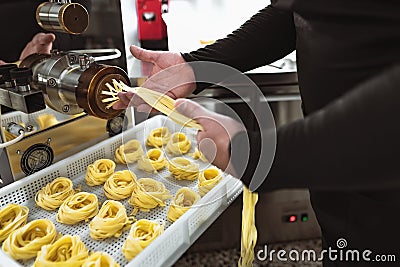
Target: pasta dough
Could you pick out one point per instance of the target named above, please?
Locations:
(142, 233)
(129, 152)
(158, 137)
(110, 221)
(249, 231)
(98, 172)
(25, 242)
(12, 217)
(153, 161)
(68, 251)
(178, 144)
(148, 194)
(54, 193)
(208, 179)
(184, 199)
(100, 259)
(183, 169)
(120, 185)
(80, 207)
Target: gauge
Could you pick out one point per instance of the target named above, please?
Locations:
(116, 125)
(36, 157)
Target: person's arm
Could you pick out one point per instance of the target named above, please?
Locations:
(268, 36)
(351, 144)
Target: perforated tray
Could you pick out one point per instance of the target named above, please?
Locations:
(168, 247)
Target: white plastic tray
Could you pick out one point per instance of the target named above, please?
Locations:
(168, 247)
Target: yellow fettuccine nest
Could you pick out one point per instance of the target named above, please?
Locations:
(198, 155)
(148, 194)
(25, 242)
(183, 169)
(68, 251)
(54, 193)
(98, 172)
(178, 144)
(12, 217)
(142, 233)
(158, 137)
(100, 259)
(129, 152)
(110, 221)
(153, 161)
(208, 179)
(183, 200)
(120, 185)
(80, 207)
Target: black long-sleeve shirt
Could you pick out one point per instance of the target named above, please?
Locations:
(345, 150)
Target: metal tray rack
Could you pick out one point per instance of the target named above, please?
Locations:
(164, 250)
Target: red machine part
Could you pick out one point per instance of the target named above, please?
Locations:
(151, 26)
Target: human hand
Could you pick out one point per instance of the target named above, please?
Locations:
(218, 130)
(40, 43)
(170, 74)
(2, 62)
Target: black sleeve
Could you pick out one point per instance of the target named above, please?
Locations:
(351, 144)
(266, 37)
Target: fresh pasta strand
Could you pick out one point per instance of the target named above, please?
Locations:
(184, 199)
(148, 194)
(142, 233)
(129, 152)
(249, 230)
(25, 242)
(178, 144)
(208, 179)
(158, 137)
(183, 169)
(198, 155)
(98, 172)
(100, 259)
(68, 251)
(51, 196)
(120, 185)
(110, 221)
(12, 217)
(80, 207)
(153, 161)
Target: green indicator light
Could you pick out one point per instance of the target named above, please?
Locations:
(304, 217)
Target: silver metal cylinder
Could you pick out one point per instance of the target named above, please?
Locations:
(72, 18)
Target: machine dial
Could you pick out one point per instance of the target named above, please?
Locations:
(116, 125)
(36, 157)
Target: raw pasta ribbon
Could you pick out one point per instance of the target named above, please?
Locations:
(208, 179)
(153, 161)
(129, 152)
(120, 185)
(158, 137)
(98, 172)
(183, 169)
(142, 233)
(80, 207)
(25, 242)
(110, 221)
(100, 259)
(183, 200)
(54, 193)
(178, 144)
(12, 217)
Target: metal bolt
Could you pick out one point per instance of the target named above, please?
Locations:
(65, 108)
(51, 82)
(48, 140)
(29, 128)
(19, 152)
(72, 59)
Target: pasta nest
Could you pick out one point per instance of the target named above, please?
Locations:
(153, 161)
(12, 217)
(68, 251)
(148, 194)
(98, 172)
(208, 179)
(80, 207)
(178, 144)
(183, 200)
(129, 152)
(25, 242)
(54, 193)
(142, 233)
(158, 137)
(100, 259)
(183, 169)
(120, 185)
(110, 221)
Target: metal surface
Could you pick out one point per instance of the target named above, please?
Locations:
(72, 18)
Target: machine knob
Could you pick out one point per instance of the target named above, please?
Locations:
(5, 74)
(22, 78)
